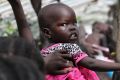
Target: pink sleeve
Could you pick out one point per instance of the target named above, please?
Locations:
(79, 56)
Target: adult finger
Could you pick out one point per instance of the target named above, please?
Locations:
(60, 64)
(66, 56)
(63, 71)
(63, 54)
(61, 51)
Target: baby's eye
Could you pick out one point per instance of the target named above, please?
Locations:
(64, 24)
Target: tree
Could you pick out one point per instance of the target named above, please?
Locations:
(116, 33)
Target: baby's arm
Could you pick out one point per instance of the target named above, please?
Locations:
(98, 65)
(23, 27)
(81, 59)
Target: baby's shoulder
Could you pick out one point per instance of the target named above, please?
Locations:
(69, 47)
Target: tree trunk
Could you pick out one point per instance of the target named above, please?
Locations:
(115, 12)
(116, 37)
(118, 33)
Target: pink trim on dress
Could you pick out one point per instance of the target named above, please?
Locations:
(54, 45)
(81, 56)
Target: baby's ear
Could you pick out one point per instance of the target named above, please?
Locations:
(47, 32)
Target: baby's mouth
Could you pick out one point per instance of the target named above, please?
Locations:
(73, 36)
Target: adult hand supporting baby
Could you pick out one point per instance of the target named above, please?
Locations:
(57, 63)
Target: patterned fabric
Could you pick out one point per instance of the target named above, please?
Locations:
(77, 54)
(72, 49)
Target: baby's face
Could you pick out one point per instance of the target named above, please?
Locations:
(64, 28)
(103, 28)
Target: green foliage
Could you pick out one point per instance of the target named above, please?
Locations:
(8, 29)
(78, 19)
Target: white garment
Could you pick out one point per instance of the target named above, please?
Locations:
(100, 56)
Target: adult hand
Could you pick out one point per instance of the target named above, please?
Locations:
(58, 63)
(91, 50)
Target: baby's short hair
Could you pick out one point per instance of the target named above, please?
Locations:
(47, 15)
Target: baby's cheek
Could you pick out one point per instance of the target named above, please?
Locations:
(62, 28)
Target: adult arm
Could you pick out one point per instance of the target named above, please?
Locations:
(36, 5)
(23, 26)
(24, 32)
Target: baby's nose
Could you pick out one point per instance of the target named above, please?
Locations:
(72, 28)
